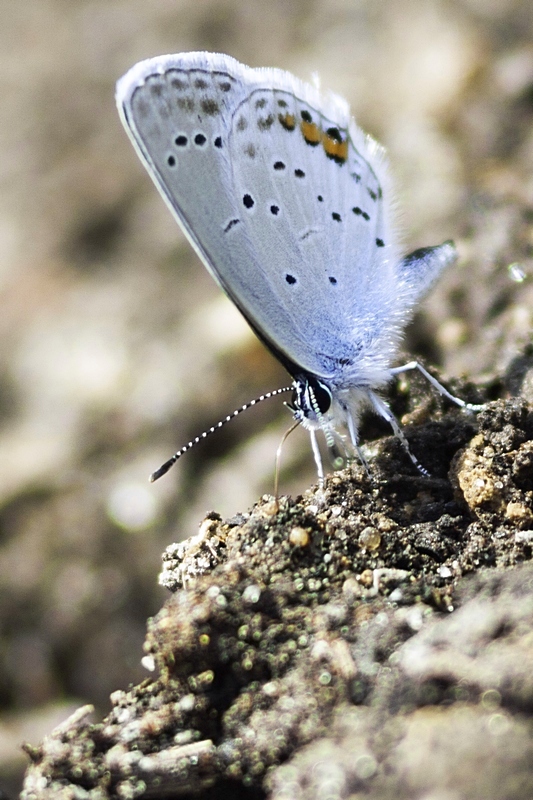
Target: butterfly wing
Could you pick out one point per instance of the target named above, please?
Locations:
(283, 197)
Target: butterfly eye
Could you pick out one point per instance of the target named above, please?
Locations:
(321, 395)
(311, 398)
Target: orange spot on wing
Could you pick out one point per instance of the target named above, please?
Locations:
(335, 149)
(288, 121)
(311, 132)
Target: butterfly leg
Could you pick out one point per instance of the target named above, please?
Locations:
(355, 442)
(318, 458)
(344, 456)
(438, 386)
(381, 408)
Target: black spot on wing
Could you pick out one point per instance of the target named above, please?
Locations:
(360, 213)
(335, 134)
(265, 123)
(185, 104)
(231, 224)
(210, 107)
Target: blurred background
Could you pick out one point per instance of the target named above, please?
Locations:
(116, 347)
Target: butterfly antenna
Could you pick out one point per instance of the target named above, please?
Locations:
(164, 468)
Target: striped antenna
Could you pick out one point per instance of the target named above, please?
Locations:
(164, 468)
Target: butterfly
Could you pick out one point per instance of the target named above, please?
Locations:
(288, 204)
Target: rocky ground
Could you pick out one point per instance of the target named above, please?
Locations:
(373, 641)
